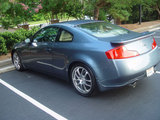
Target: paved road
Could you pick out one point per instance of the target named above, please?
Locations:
(127, 103)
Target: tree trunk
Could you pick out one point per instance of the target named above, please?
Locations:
(158, 10)
(52, 17)
(118, 21)
(96, 13)
(56, 16)
(99, 4)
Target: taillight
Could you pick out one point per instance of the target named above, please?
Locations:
(154, 44)
(121, 53)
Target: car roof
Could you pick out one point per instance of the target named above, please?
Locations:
(76, 22)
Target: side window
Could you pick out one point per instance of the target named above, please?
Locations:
(51, 34)
(39, 36)
(46, 35)
(65, 36)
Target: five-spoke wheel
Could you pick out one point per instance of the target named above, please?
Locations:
(83, 79)
(17, 62)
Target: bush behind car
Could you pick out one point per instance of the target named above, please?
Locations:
(8, 39)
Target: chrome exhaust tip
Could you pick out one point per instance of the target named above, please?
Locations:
(133, 84)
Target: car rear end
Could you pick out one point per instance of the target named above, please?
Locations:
(133, 60)
(130, 56)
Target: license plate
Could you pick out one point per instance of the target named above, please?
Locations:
(150, 71)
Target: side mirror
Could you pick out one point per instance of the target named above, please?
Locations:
(27, 40)
(34, 43)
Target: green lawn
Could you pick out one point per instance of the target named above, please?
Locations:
(44, 21)
(37, 22)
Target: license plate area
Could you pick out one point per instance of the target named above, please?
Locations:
(150, 71)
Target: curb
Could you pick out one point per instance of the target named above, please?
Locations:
(6, 62)
(6, 65)
(6, 69)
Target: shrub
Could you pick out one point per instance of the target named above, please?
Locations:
(3, 49)
(9, 38)
(37, 17)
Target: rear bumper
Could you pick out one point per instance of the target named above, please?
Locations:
(127, 71)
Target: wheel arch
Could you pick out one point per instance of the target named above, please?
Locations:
(79, 62)
(14, 50)
(96, 87)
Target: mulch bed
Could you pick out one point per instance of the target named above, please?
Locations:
(4, 57)
(136, 25)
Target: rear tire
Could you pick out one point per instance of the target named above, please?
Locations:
(17, 62)
(83, 80)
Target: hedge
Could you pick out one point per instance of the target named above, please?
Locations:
(8, 39)
(3, 48)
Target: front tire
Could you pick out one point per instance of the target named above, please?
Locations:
(17, 62)
(83, 80)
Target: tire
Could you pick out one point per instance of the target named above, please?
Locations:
(83, 80)
(17, 62)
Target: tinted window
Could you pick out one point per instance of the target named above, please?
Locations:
(46, 35)
(103, 29)
(65, 36)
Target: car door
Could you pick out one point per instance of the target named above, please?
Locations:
(61, 50)
(41, 49)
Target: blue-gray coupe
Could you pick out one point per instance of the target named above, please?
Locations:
(93, 55)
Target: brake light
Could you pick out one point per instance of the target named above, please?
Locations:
(121, 53)
(154, 44)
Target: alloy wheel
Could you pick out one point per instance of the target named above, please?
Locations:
(82, 79)
(16, 61)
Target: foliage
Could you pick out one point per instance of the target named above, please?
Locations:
(149, 10)
(74, 8)
(37, 17)
(3, 49)
(9, 39)
(122, 10)
(14, 12)
(52, 9)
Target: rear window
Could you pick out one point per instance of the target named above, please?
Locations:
(103, 29)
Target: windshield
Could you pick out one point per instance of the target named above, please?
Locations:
(103, 29)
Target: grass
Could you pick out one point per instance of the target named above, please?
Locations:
(37, 22)
(44, 21)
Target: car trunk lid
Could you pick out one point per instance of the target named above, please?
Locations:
(142, 45)
(140, 42)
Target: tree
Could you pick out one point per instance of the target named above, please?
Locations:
(74, 8)
(14, 12)
(53, 8)
(149, 11)
(118, 9)
(155, 5)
